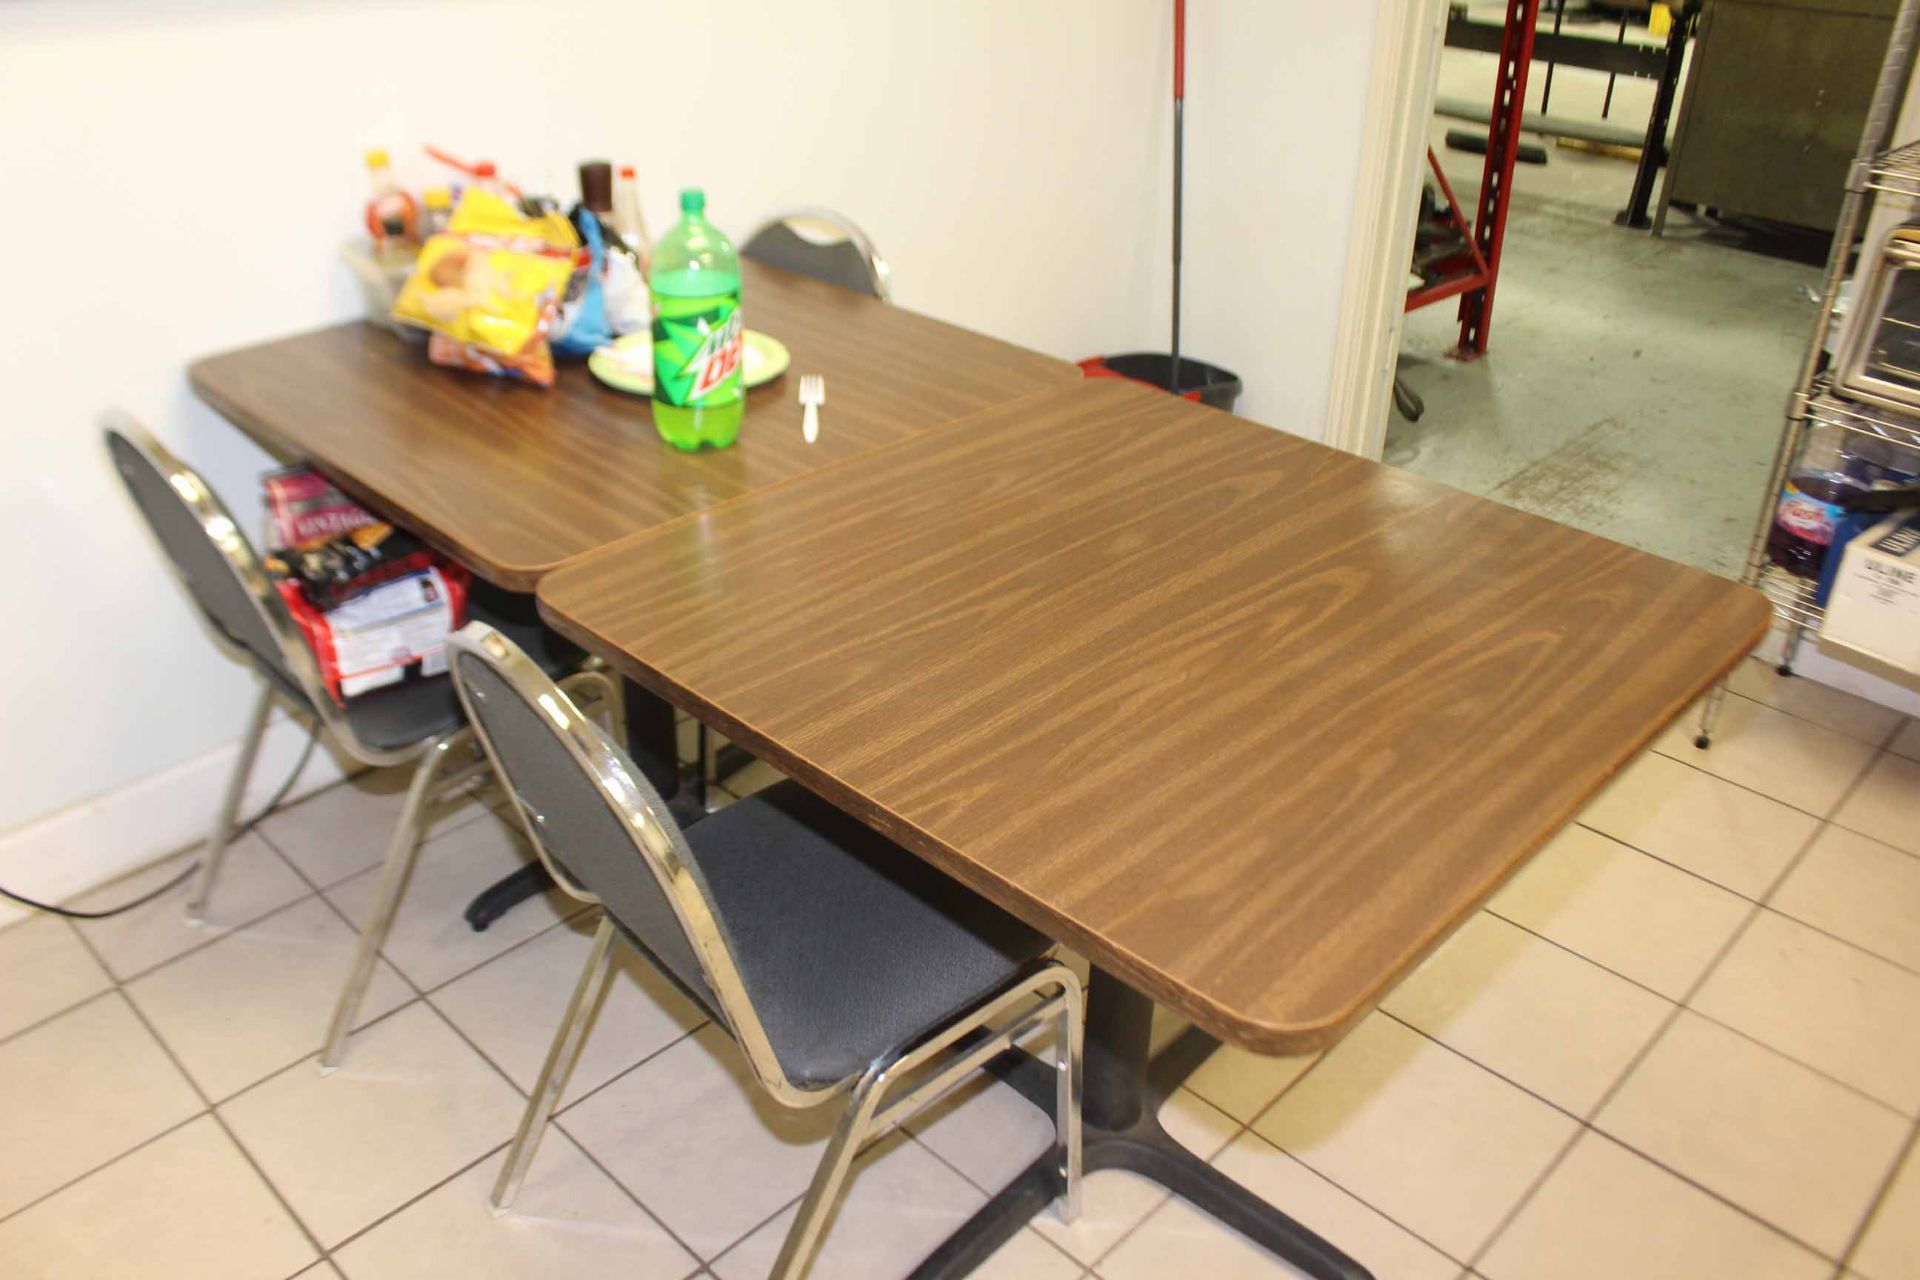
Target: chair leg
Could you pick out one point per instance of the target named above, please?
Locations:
(568, 1040)
(824, 1192)
(229, 806)
(1071, 1067)
(393, 880)
(709, 764)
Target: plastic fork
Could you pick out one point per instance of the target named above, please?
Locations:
(813, 394)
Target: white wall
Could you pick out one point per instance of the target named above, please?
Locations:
(178, 173)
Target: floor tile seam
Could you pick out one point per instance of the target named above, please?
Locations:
(1879, 1199)
(58, 1014)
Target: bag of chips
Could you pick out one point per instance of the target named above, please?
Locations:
(491, 281)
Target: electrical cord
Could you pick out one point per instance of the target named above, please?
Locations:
(306, 754)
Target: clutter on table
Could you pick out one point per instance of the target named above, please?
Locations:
(374, 603)
(498, 280)
(501, 281)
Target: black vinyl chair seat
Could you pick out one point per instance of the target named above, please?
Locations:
(849, 946)
(841, 963)
(402, 714)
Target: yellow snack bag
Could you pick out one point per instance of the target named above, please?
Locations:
(493, 278)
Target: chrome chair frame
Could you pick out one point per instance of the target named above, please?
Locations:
(889, 1091)
(880, 274)
(437, 760)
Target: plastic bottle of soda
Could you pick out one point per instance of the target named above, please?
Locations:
(695, 282)
(1808, 512)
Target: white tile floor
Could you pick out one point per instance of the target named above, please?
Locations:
(1683, 1044)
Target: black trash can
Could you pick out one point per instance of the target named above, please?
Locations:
(1207, 383)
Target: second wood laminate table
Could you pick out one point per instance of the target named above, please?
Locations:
(1251, 723)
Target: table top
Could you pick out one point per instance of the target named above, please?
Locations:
(511, 479)
(1250, 722)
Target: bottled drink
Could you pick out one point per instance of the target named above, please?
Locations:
(1803, 523)
(627, 222)
(436, 207)
(391, 213)
(596, 189)
(695, 282)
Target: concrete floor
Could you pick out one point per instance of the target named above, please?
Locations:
(1633, 385)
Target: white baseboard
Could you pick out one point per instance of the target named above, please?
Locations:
(98, 840)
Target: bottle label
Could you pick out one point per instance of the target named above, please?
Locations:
(1807, 517)
(696, 350)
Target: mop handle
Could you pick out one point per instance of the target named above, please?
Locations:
(1179, 132)
(1179, 50)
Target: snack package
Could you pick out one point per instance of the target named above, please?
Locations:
(305, 507)
(334, 570)
(493, 279)
(534, 364)
(372, 602)
(380, 636)
(581, 327)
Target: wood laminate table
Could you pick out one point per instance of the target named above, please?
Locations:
(511, 480)
(1251, 723)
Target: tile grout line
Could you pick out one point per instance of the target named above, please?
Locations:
(78, 1178)
(1584, 1123)
(211, 1110)
(214, 932)
(362, 1231)
(214, 1111)
(576, 1144)
(1166, 1194)
(1241, 1128)
(1684, 1004)
(1900, 717)
(988, 1192)
(493, 1150)
(1669, 862)
(1754, 909)
(57, 1014)
(1879, 1200)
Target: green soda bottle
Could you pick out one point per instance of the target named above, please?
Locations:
(695, 280)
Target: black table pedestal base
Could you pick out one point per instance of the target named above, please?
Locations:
(1121, 1130)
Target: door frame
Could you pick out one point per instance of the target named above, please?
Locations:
(1407, 39)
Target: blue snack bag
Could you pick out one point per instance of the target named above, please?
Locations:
(582, 326)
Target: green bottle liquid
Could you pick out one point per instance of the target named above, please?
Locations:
(698, 397)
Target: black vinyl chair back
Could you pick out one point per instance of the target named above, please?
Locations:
(208, 552)
(606, 835)
(825, 246)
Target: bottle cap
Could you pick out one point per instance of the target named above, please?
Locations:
(626, 171)
(437, 197)
(693, 200)
(376, 158)
(596, 185)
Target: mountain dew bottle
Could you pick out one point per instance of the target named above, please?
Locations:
(695, 279)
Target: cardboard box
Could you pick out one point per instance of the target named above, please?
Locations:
(1874, 612)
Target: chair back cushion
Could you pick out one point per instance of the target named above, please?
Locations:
(215, 576)
(837, 262)
(584, 807)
